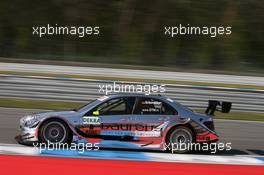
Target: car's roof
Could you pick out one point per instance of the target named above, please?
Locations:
(175, 104)
(136, 95)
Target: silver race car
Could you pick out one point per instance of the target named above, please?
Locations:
(144, 121)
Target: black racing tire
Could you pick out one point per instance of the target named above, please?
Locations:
(55, 131)
(177, 135)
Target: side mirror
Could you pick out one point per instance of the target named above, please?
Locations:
(95, 113)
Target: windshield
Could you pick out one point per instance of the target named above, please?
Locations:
(81, 108)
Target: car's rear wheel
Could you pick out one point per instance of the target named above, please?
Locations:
(180, 139)
(55, 131)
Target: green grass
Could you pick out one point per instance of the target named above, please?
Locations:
(238, 115)
(58, 105)
(134, 80)
(38, 104)
(241, 116)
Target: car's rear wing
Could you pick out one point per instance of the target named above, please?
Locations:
(214, 105)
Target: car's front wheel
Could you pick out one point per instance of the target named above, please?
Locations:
(180, 139)
(55, 131)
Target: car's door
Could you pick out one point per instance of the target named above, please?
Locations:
(108, 120)
(152, 114)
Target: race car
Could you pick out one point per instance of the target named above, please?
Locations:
(124, 121)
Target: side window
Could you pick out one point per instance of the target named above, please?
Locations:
(150, 106)
(118, 106)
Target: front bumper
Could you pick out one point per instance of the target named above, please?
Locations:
(27, 135)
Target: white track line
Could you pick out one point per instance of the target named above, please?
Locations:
(146, 156)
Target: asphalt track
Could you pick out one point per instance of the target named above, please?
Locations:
(247, 137)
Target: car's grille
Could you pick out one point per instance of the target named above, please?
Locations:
(210, 125)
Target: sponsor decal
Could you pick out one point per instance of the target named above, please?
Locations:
(91, 120)
(131, 133)
(95, 123)
(128, 127)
